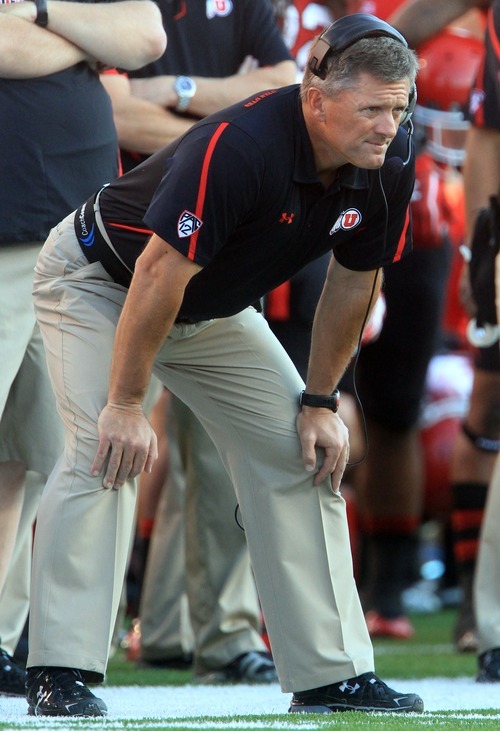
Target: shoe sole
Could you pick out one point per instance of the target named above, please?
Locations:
(417, 707)
(485, 678)
(94, 711)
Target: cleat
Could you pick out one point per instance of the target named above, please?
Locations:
(252, 667)
(398, 628)
(489, 666)
(364, 693)
(52, 691)
(12, 676)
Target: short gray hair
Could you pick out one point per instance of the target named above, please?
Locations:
(384, 58)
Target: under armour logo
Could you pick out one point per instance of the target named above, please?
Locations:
(351, 688)
(187, 224)
(287, 217)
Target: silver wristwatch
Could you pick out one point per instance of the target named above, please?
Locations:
(185, 88)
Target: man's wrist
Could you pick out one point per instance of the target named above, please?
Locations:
(319, 401)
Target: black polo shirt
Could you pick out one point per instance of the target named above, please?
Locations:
(239, 195)
(58, 144)
(212, 39)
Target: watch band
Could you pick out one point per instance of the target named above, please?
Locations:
(185, 89)
(321, 402)
(42, 15)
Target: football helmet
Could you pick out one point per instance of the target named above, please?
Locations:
(448, 65)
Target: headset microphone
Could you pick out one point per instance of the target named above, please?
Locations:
(395, 165)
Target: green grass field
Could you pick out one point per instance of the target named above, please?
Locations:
(428, 655)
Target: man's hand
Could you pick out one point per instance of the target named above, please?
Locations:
(322, 428)
(127, 436)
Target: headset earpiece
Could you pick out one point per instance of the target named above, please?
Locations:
(412, 100)
(346, 31)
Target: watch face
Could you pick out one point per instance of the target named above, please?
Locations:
(185, 89)
(184, 85)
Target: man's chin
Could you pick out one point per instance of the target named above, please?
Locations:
(374, 162)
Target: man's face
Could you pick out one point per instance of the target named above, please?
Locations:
(361, 122)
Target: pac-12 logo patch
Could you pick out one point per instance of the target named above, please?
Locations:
(187, 224)
(347, 220)
(219, 7)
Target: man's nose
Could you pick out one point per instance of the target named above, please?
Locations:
(387, 125)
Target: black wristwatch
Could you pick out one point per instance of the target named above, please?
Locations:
(321, 402)
(42, 15)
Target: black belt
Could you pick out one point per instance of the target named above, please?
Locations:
(94, 245)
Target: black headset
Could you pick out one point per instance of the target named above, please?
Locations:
(346, 31)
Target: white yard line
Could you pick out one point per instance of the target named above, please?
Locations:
(168, 703)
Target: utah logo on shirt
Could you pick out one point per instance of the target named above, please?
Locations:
(219, 7)
(187, 224)
(347, 220)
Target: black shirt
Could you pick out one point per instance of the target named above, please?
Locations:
(58, 143)
(239, 195)
(212, 39)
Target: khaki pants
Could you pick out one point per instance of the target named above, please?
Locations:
(197, 555)
(237, 379)
(487, 578)
(30, 427)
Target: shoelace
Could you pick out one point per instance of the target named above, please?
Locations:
(67, 680)
(375, 689)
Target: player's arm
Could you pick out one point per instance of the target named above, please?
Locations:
(213, 94)
(418, 20)
(481, 181)
(150, 309)
(481, 171)
(337, 325)
(126, 34)
(141, 126)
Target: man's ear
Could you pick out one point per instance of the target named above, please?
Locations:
(316, 99)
